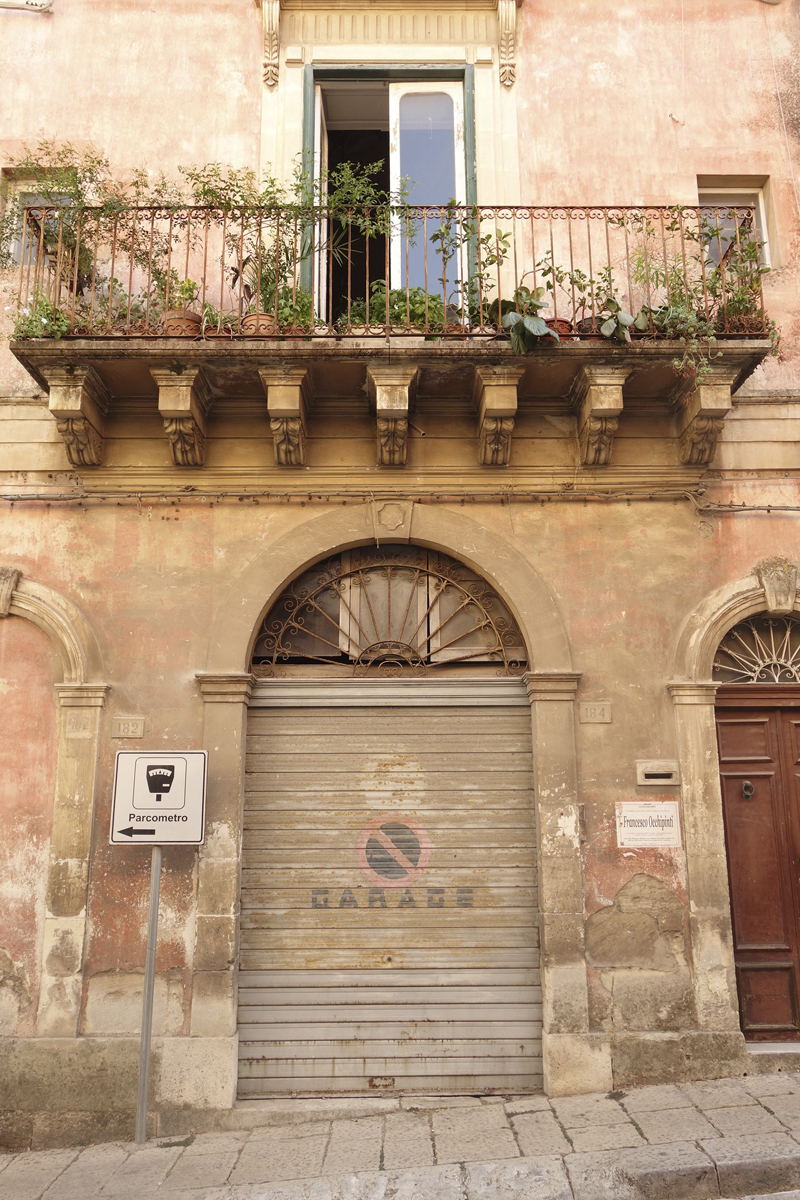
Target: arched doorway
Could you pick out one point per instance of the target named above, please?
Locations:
(389, 896)
(757, 666)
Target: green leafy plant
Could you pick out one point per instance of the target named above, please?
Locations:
(40, 319)
(407, 308)
(520, 317)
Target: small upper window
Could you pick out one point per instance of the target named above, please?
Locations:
(732, 216)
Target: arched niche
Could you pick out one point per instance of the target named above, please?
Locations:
(80, 698)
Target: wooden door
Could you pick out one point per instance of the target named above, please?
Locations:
(759, 753)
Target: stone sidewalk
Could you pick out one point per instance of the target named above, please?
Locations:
(726, 1138)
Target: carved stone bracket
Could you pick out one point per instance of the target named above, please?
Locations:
(271, 24)
(778, 578)
(700, 419)
(184, 399)
(288, 391)
(391, 393)
(507, 20)
(495, 397)
(597, 402)
(79, 401)
(9, 578)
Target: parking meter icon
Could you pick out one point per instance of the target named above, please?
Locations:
(159, 779)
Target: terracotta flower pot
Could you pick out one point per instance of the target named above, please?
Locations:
(181, 322)
(559, 325)
(259, 325)
(588, 326)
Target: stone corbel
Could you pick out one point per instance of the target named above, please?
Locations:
(288, 392)
(597, 403)
(271, 25)
(79, 402)
(391, 394)
(183, 401)
(700, 419)
(495, 398)
(778, 578)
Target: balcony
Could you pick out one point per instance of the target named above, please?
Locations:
(581, 308)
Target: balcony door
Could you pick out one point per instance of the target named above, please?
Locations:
(426, 148)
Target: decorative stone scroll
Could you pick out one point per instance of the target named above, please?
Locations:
(495, 398)
(391, 392)
(184, 399)
(597, 402)
(507, 20)
(288, 391)
(271, 20)
(778, 578)
(79, 401)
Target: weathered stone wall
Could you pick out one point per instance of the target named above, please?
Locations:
(28, 746)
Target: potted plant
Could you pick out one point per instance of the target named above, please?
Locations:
(520, 317)
(183, 321)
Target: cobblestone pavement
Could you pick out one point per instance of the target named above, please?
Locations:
(727, 1138)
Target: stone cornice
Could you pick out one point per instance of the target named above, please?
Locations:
(233, 688)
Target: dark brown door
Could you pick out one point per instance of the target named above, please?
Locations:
(759, 754)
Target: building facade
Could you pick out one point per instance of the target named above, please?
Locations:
(490, 635)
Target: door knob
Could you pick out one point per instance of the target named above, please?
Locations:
(748, 789)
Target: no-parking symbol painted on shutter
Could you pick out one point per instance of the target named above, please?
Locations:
(393, 851)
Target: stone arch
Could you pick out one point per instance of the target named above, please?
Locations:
(80, 699)
(722, 609)
(65, 625)
(574, 1058)
(519, 584)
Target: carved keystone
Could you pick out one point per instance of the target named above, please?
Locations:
(184, 399)
(391, 392)
(9, 578)
(79, 402)
(597, 402)
(494, 395)
(700, 419)
(288, 392)
(778, 578)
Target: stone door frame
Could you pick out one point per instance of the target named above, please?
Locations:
(574, 1059)
(771, 588)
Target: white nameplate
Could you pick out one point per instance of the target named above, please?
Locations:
(648, 823)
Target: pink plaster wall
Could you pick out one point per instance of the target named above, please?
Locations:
(28, 746)
(158, 84)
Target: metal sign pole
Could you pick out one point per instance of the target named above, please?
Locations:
(147, 997)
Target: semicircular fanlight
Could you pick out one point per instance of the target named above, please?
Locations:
(760, 649)
(391, 611)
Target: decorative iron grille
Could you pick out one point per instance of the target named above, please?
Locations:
(393, 611)
(761, 649)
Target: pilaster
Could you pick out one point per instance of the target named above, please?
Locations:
(574, 1060)
(78, 716)
(216, 932)
(706, 862)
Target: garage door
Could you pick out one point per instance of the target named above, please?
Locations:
(389, 905)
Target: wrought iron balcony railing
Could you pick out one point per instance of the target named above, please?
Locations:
(534, 274)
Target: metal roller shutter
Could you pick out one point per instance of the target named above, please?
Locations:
(389, 905)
